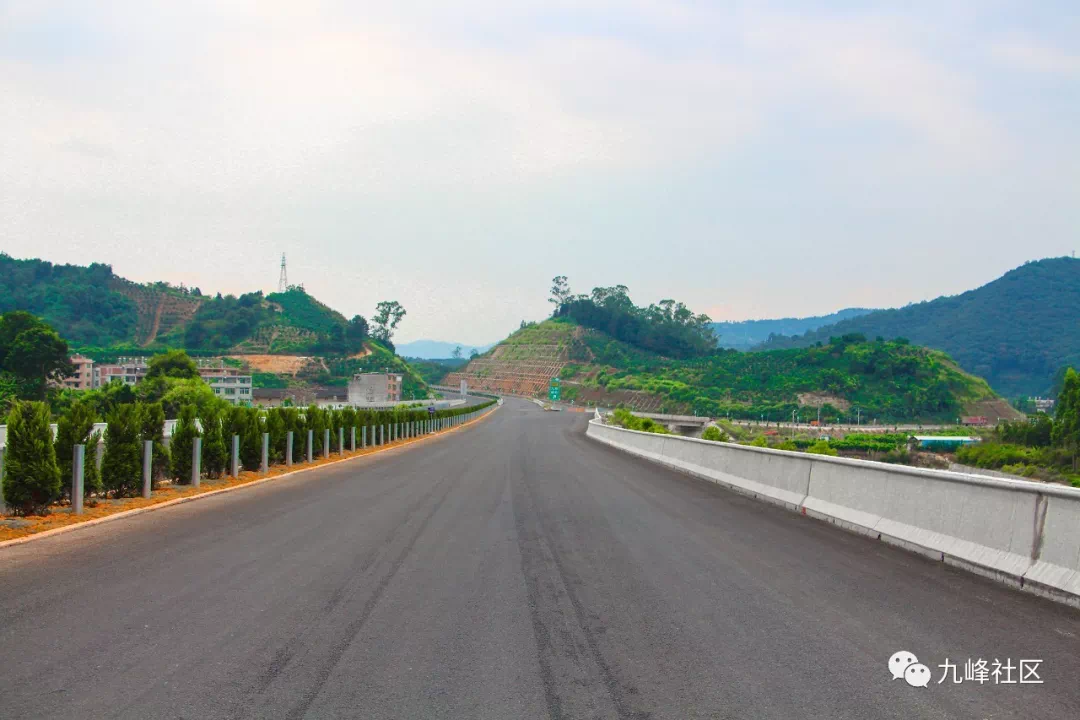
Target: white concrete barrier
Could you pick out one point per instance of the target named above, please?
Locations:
(1023, 533)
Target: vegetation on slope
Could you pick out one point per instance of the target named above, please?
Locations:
(432, 372)
(291, 321)
(745, 334)
(1017, 331)
(890, 381)
(666, 328)
(74, 300)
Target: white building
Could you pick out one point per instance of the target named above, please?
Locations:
(369, 388)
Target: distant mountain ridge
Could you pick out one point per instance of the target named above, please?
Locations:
(1017, 331)
(438, 349)
(95, 309)
(745, 334)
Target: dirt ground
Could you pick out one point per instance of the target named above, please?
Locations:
(277, 364)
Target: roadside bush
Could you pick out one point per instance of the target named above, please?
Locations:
(31, 475)
(121, 467)
(714, 434)
(624, 418)
(73, 428)
(152, 427)
(994, 456)
(275, 425)
(215, 453)
(251, 440)
(897, 456)
(91, 469)
(183, 443)
(822, 447)
(759, 441)
(787, 445)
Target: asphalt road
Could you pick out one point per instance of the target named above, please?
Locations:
(512, 569)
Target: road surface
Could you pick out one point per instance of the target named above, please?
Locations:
(513, 569)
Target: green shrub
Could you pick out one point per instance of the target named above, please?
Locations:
(251, 439)
(215, 453)
(73, 428)
(714, 434)
(183, 443)
(152, 427)
(31, 475)
(787, 445)
(897, 456)
(122, 465)
(275, 425)
(821, 447)
(759, 441)
(624, 418)
(994, 455)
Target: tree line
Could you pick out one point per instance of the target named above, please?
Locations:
(667, 328)
(38, 467)
(1041, 443)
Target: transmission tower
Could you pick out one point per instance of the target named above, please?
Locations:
(283, 281)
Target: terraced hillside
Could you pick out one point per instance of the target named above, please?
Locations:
(159, 310)
(524, 363)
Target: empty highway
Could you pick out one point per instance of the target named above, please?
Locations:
(511, 569)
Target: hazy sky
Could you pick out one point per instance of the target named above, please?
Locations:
(752, 159)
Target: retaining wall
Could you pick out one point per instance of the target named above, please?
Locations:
(1023, 533)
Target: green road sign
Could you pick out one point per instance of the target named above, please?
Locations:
(553, 390)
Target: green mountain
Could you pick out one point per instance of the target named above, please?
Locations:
(1017, 331)
(94, 309)
(887, 381)
(745, 334)
(105, 316)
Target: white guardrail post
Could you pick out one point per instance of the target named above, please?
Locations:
(234, 457)
(196, 462)
(147, 466)
(79, 456)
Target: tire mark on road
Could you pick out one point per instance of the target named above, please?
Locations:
(549, 586)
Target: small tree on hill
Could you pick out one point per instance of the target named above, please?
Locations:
(31, 475)
(121, 467)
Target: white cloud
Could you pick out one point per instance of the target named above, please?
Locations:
(1027, 54)
(144, 133)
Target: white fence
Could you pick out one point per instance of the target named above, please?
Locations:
(1023, 533)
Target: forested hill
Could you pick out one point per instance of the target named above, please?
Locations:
(94, 309)
(745, 334)
(77, 301)
(1018, 331)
